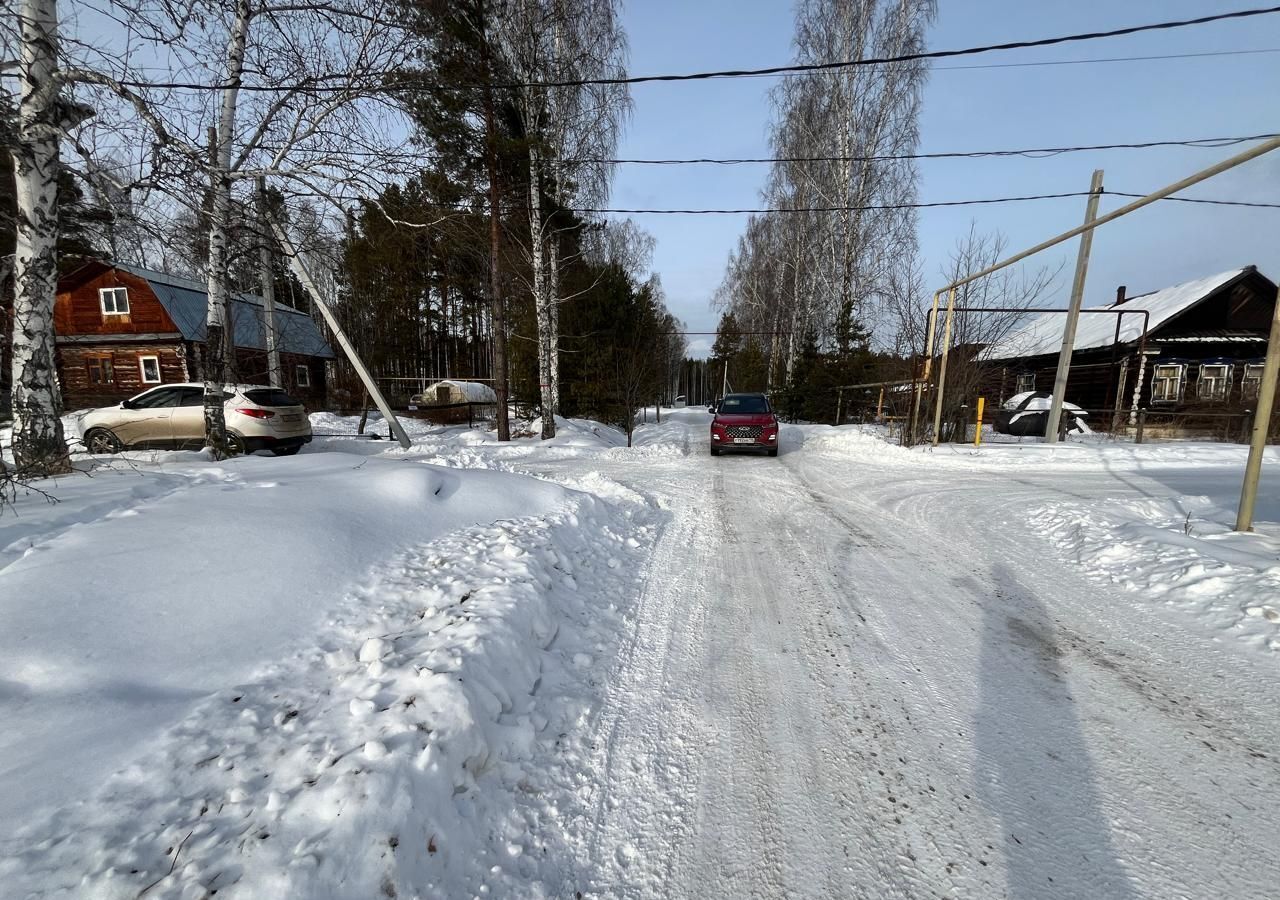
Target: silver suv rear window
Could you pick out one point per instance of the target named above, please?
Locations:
(270, 397)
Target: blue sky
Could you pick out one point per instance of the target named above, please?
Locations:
(976, 109)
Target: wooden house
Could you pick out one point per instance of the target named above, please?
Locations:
(122, 329)
(1197, 371)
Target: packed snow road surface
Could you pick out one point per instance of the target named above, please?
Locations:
(854, 679)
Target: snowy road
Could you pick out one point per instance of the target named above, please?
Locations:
(855, 680)
(852, 671)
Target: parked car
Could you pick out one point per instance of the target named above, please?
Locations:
(1027, 414)
(744, 422)
(171, 417)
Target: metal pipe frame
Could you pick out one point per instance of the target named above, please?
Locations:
(1118, 313)
(1204, 174)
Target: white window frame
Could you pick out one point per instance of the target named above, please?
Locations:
(142, 370)
(1222, 391)
(1251, 381)
(1024, 388)
(115, 293)
(1180, 384)
(302, 375)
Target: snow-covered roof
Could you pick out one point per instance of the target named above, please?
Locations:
(1042, 333)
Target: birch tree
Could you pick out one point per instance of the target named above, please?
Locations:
(44, 114)
(569, 132)
(820, 269)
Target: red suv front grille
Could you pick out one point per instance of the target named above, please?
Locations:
(744, 431)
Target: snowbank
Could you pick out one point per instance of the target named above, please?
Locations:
(1087, 451)
(145, 589)
(467, 447)
(1179, 552)
(412, 750)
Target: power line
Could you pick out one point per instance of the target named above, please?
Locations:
(908, 57)
(1081, 62)
(392, 80)
(1201, 200)
(1108, 59)
(1029, 153)
(881, 207)
(1035, 152)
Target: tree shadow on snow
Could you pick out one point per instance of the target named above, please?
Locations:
(1034, 770)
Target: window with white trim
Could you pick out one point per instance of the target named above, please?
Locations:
(1251, 381)
(149, 366)
(1214, 382)
(302, 375)
(1167, 382)
(1026, 382)
(115, 301)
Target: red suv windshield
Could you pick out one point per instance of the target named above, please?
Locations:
(743, 406)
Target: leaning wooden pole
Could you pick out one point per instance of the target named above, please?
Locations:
(300, 270)
(1261, 425)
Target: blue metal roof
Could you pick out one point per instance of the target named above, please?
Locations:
(187, 302)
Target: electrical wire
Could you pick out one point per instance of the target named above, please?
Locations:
(1028, 153)
(1247, 203)
(908, 57)
(1080, 62)
(895, 206)
(1032, 153)
(392, 80)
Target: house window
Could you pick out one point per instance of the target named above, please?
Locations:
(1026, 382)
(1214, 382)
(100, 370)
(150, 368)
(1252, 381)
(1167, 382)
(115, 301)
(302, 375)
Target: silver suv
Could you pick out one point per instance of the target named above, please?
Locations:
(171, 416)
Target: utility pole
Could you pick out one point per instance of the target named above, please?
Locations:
(371, 387)
(928, 364)
(1073, 314)
(942, 367)
(267, 277)
(1261, 425)
(724, 380)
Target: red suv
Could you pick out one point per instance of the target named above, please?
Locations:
(744, 422)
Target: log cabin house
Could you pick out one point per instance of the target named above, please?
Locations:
(1197, 374)
(122, 329)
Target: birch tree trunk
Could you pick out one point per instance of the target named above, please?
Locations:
(497, 315)
(553, 286)
(39, 447)
(541, 299)
(217, 337)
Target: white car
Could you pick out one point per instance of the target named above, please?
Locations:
(171, 416)
(1027, 414)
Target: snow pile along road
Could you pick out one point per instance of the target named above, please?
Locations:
(188, 714)
(1181, 552)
